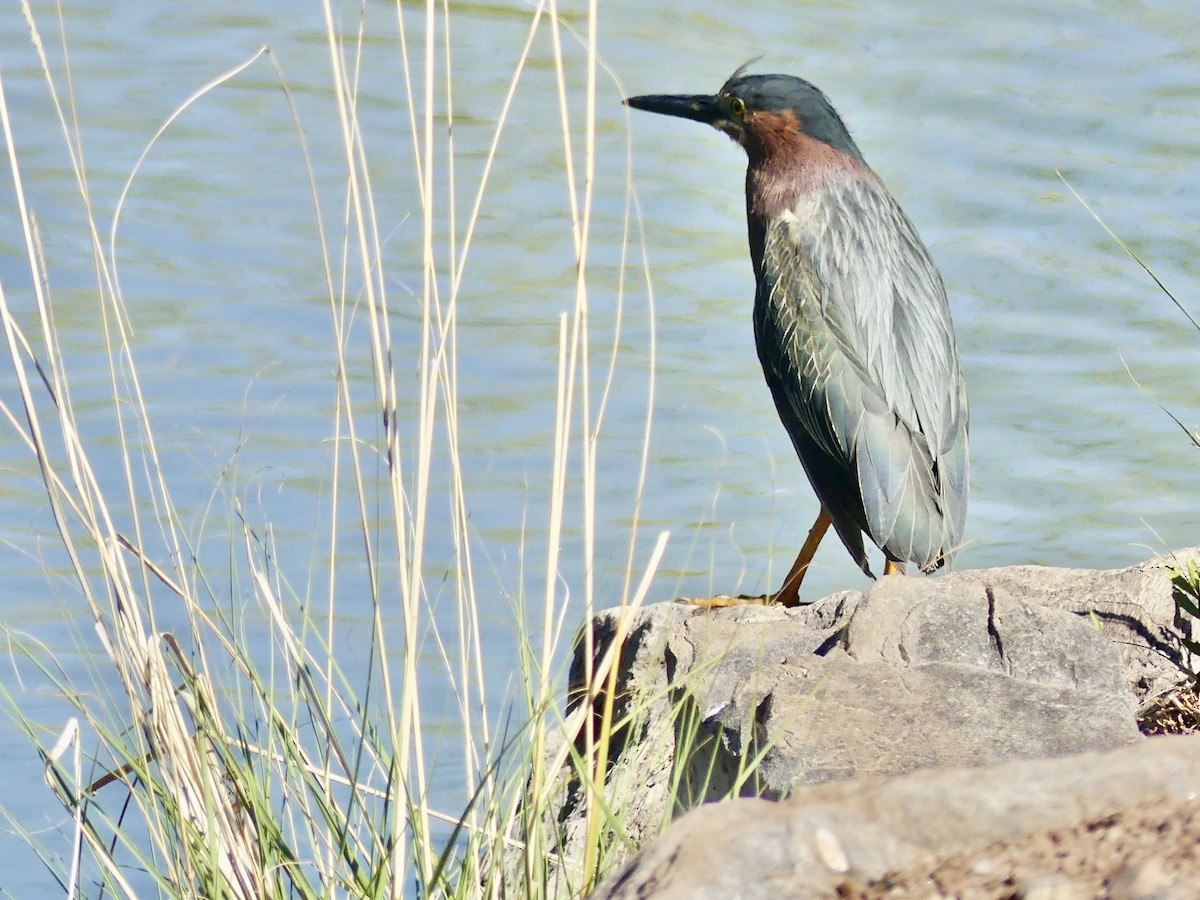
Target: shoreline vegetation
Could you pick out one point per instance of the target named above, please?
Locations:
(199, 763)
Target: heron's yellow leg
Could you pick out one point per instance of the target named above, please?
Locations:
(894, 568)
(789, 592)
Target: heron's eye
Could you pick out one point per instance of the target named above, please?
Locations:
(737, 106)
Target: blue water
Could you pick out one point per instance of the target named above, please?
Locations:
(1067, 346)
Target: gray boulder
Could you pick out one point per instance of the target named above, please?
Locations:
(1121, 824)
(972, 669)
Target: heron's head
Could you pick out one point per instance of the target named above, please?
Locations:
(766, 114)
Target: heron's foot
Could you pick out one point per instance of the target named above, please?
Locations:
(895, 568)
(788, 594)
(723, 601)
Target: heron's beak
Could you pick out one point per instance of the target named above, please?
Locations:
(698, 107)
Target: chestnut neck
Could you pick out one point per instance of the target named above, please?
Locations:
(786, 164)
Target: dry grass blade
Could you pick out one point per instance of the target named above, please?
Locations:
(230, 753)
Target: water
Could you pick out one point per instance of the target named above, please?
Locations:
(966, 118)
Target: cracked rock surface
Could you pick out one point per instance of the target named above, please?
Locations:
(973, 669)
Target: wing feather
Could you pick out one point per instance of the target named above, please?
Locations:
(855, 338)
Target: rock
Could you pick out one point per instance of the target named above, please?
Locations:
(1133, 606)
(1056, 828)
(1147, 878)
(956, 676)
(971, 669)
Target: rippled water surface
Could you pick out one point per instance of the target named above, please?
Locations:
(1068, 347)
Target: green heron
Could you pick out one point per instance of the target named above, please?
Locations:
(852, 327)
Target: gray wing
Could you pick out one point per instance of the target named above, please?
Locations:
(855, 338)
